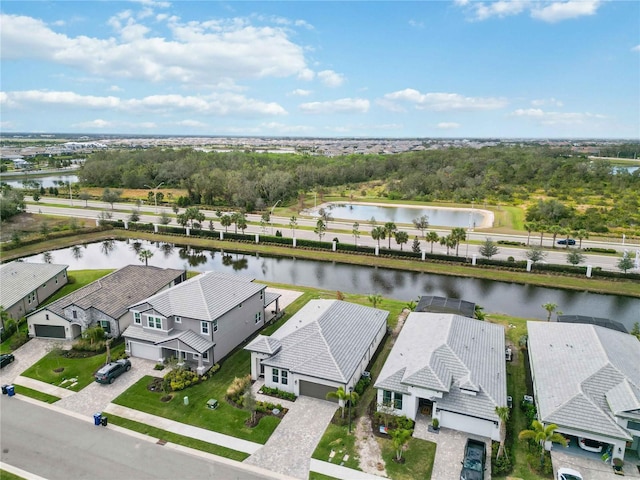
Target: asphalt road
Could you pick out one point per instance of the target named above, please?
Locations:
(53, 445)
(342, 230)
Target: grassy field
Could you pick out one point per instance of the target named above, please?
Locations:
(35, 394)
(4, 475)
(54, 369)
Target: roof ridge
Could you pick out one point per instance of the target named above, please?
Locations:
(333, 358)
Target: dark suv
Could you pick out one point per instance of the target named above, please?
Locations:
(474, 458)
(110, 371)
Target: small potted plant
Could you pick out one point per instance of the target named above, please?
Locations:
(617, 466)
(435, 424)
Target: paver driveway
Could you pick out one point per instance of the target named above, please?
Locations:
(290, 447)
(26, 356)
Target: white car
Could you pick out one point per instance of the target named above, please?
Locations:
(590, 445)
(568, 474)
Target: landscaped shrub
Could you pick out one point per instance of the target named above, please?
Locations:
(10, 327)
(529, 410)
(600, 250)
(180, 378)
(158, 366)
(237, 388)
(274, 392)
(500, 466)
(18, 340)
(362, 384)
(511, 242)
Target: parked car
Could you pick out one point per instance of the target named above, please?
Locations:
(590, 445)
(111, 371)
(564, 241)
(475, 453)
(6, 359)
(568, 474)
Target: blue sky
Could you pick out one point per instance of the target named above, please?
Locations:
(508, 69)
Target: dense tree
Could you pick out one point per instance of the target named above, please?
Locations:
(421, 223)
(11, 203)
(164, 218)
(575, 257)
(111, 196)
(415, 247)
(625, 263)
(536, 254)
(321, 228)
(489, 248)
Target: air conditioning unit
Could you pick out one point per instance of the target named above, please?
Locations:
(366, 374)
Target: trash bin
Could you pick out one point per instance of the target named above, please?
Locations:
(11, 390)
(4, 389)
(104, 421)
(97, 418)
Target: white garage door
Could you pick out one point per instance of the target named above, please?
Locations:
(475, 426)
(141, 350)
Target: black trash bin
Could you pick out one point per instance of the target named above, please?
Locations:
(97, 418)
(104, 421)
(4, 389)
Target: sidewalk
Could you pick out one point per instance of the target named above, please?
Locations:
(337, 471)
(43, 387)
(184, 429)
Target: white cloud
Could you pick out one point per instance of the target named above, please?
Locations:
(97, 123)
(115, 88)
(343, 105)
(331, 78)
(439, 101)
(192, 124)
(557, 118)
(299, 92)
(448, 125)
(193, 53)
(416, 24)
(216, 104)
(306, 74)
(636, 48)
(546, 101)
(285, 129)
(546, 10)
(7, 125)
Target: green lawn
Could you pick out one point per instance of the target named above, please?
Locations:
(28, 392)
(81, 369)
(4, 475)
(177, 439)
(418, 457)
(339, 440)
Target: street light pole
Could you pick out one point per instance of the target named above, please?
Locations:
(350, 396)
(155, 193)
(271, 215)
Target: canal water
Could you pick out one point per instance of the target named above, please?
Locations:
(28, 181)
(497, 297)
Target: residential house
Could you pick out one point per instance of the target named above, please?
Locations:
(449, 367)
(24, 286)
(104, 302)
(586, 380)
(327, 344)
(199, 321)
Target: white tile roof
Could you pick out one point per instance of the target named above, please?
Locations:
(326, 339)
(18, 279)
(450, 353)
(204, 297)
(583, 372)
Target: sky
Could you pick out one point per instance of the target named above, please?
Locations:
(438, 69)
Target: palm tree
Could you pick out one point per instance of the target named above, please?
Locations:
(503, 414)
(550, 308)
(566, 233)
(375, 299)
(389, 229)
(478, 312)
(530, 227)
(378, 233)
(555, 230)
(580, 234)
(432, 237)
(343, 397)
(400, 437)
(401, 238)
(144, 256)
(458, 235)
(541, 227)
(542, 435)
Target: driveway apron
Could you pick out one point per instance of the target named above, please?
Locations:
(289, 449)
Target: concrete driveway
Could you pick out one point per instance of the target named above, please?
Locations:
(289, 449)
(450, 449)
(591, 469)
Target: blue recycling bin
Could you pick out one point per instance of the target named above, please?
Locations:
(11, 391)
(97, 418)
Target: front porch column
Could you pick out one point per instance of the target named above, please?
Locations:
(200, 369)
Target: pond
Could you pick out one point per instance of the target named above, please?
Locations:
(438, 216)
(498, 297)
(29, 181)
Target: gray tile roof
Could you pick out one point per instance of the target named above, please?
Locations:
(450, 353)
(188, 337)
(113, 293)
(18, 279)
(584, 373)
(263, 344)
(207, 296)
(327, 339)
(270, 297)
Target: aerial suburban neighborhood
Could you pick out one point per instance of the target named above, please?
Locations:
(312, 240)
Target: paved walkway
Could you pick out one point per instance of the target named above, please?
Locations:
(289, 449)
(337, 471)
(449, 450)
(43, 387)
(184, 429)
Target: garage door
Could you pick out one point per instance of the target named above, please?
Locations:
(140, 350)
(316, 390)
(463, 423)
(49, 331)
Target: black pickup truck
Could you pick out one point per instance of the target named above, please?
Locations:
(474, 458)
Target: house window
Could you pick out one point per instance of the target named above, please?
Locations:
(397, 401)
(215, 325)
(284, 377)
(154, 322)
(205, 356)
(46, 316)
(44, 285)
(178, 319)
(274, 375)
(258, 317)
(183, 355)
(106, 325)
(31, 297)
(261, 294)
(386, 397)
(204, 328)
(74, 314)
(239, 305)
(137, 318)
(633, 425)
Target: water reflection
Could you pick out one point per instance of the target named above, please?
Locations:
(497, 297)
